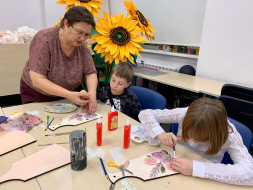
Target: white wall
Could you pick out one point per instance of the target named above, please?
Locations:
(226, 52)
(178, 22)
(117, 6)
(53, 12)
(17, 13)
(36, 14)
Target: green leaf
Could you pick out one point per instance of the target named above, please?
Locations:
(148, 156)
(93, 46)
(163, 169)
(98, 59)
(93, 32)
(165, 152)
(102, 68)
(135, 58)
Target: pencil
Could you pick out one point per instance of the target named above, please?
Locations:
(49, 124)
(58, 134)
(174, 149)
(81, 84)
(52, 143)
(103, 168)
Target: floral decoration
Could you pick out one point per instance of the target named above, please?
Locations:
(92, 5)
(23, 34)
(23, 122)
(161, 162)
(143, 23)
(77, 116)
(7, 36)
(117, 38)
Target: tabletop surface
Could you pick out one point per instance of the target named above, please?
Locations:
(93, 176)
(6, 161)
(186, 82)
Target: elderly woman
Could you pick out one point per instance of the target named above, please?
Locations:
(58, 59)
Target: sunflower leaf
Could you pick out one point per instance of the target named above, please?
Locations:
(98, 59)
(93, 32)
(102, 68)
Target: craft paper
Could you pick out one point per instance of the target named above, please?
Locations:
(23, 122)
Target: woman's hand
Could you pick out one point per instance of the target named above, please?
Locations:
(92, 105)
(184, 166)
(80, 98)
(168, 139)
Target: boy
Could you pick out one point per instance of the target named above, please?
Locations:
(117, 94)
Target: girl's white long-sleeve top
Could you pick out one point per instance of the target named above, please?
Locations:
(241, 173)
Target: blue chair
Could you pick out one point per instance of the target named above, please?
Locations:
(246, 137)
(238, 109)
(148, 98)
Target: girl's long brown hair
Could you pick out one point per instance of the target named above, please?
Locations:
(206, 121)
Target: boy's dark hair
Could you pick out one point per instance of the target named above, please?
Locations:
(124, 70)
(78, 14)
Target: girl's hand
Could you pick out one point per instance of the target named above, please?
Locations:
(168, 139)
(184, 166)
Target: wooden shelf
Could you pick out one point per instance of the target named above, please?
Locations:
(170, 53)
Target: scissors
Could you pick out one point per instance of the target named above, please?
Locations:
(112, 186)
(122, 168)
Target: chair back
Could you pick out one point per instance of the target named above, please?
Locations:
(240, 110)
(237, 91)
(148, 98)
(246, 137)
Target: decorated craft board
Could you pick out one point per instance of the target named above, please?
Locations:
(41, 162)
(149, 166)
(14, 140)
(76, 119)
(60, 108)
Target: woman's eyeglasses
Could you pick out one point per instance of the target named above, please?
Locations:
(81, 34)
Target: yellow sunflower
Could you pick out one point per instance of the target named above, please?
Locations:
(118, 38)
(92, 5)
(143, 23)
(58, 24)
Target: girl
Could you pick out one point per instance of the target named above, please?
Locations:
(205, 130)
